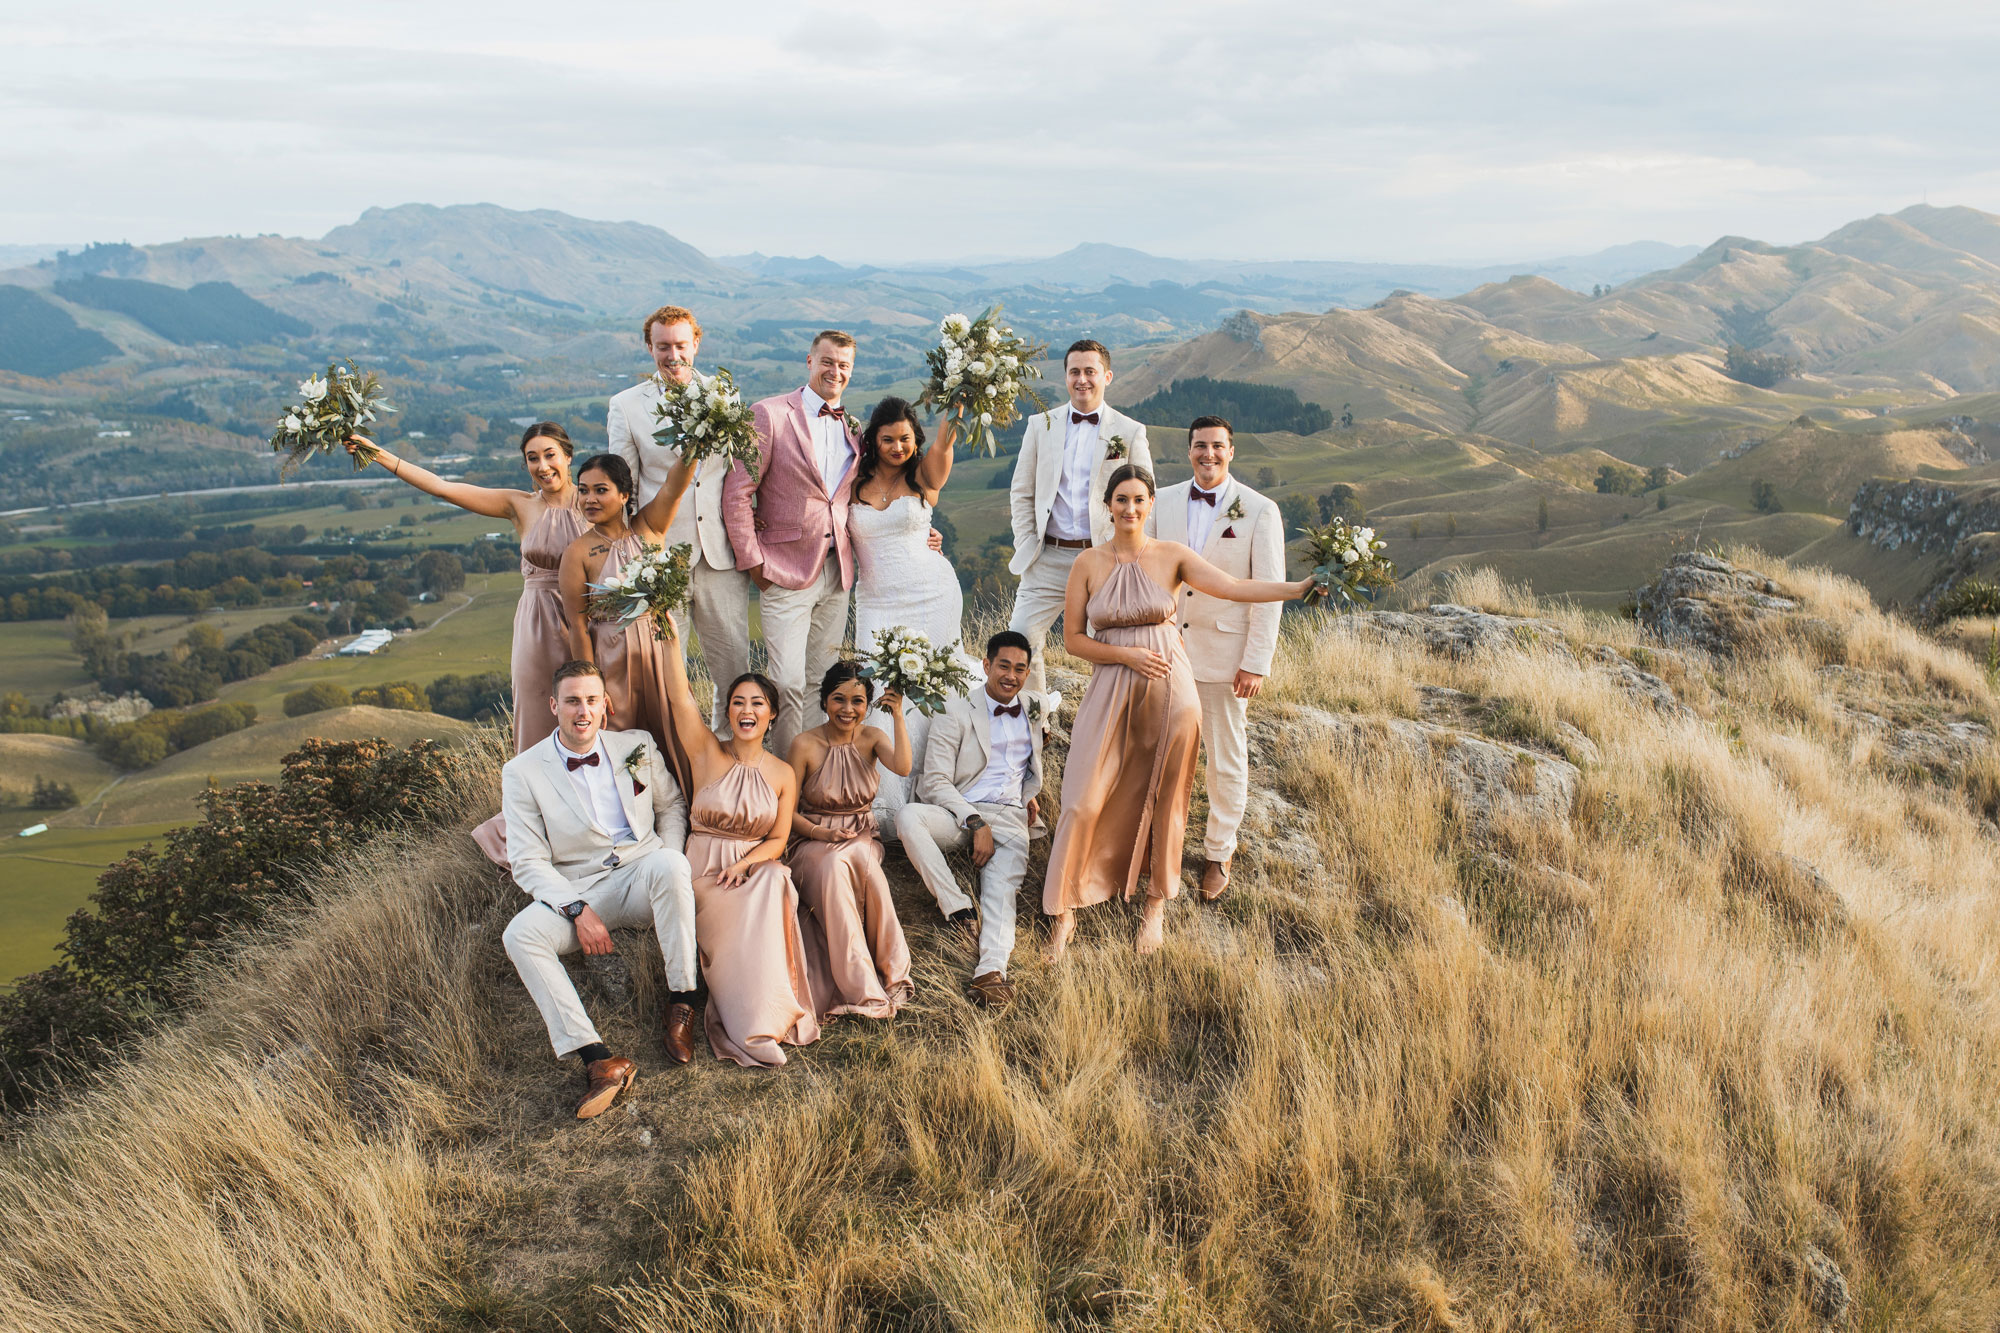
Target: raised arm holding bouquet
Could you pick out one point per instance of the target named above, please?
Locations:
(333, 409)
(1348, 566)
(979, 370)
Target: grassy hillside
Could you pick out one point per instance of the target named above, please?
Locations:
(1711, 1046)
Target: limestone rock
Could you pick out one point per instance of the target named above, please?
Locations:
(1706, 601)
(1826, 1286)
(1643, 684)
(1450, 630)
(1944, 747)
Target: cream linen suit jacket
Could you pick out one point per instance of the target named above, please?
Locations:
(630, 426)
(957, 752)
(1038, 475)
(553, 847)
(1221, 637)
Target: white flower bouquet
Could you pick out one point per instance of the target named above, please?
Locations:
(331, 408)
(1348, 566)
(650, 585)
(705, 417)
(979, 370)
(926, 674)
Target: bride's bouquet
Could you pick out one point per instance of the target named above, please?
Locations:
(1347, 563)
(705, 417)
(650, 585)
(980, 369)
(926, 674)
(331, 408)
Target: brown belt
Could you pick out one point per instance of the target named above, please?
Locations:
(1068, 543)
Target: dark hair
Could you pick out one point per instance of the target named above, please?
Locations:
(1088, 345)
(1128, 472)
(548, 430)
(570, 671)
(838, 675)
(616, 471)
(889, 412)
(762, 682)
(1211, 423)
(1009, 638)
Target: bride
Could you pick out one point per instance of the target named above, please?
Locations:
(898, 579)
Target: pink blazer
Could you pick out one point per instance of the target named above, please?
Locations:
(785, 520)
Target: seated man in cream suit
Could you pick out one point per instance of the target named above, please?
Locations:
(719, 594)
(980, 779)
(595, 825)
(1057, 499)
(1229, 644)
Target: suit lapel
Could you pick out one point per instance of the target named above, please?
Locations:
(557, 776)
(1054, 444)
(1215, 529)
(639, 817)
(982, 726)
(1170, 513)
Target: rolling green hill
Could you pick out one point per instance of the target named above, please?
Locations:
(38, 338)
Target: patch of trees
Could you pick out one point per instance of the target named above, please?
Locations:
(475, 698)
(1764, 497)
(141, 744)
(123, 961)
(1622, 479)
(208, 312)
(196, 668)
(1246, 406)
(38, 337)
(1761, 370)
(46, 794)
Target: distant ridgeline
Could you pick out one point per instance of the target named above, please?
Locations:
(1246, 406)
(208, 312)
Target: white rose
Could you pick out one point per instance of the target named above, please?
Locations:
(292, 422)
(992, 336)
(1349, 556)
(313, 389)
(911, 665)
(952, 382)
(1363, 536)
(956, 325)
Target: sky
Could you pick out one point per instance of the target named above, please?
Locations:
(1431, 130)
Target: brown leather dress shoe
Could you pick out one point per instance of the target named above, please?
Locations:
(1214, 879)
(607, 1078)
(990, 990)
(677, 1031)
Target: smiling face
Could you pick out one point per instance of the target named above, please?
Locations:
(673, 347)
(1088, 377)
(896, 444)
(828, 368)
(847, 705)
(547, 463)
(1210, 450)
(600, 501)
(1006, 673)
(750, 712)
(578, 704)
(1130, 504)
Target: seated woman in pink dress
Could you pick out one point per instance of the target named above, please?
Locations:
(746, 913)
(1132, 749)
(855, 953)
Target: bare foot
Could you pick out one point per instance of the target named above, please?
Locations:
(1152, 927)
(1059, 932)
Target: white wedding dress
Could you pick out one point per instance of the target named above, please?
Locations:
(900, 581)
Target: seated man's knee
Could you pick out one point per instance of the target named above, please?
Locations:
(667, 872)
(520, 937)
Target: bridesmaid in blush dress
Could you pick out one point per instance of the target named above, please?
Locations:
(631, 656)
(856, 956)
(746, 912)
(1132, 754)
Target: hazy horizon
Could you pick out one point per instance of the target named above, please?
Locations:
(1448, 133)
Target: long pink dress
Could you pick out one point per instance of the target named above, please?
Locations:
(856, 957)
(1131, 757)
(633, 660)
(752, 954)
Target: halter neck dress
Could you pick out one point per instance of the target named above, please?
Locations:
(856, 957)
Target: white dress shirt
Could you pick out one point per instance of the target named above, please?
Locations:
(833, 451)
(598, 786)
(1069, 518)
(1201, 514)
(1007, 751)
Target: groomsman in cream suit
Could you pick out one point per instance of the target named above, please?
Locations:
(719, 596)
(1229, 644)
(1058, 493)
(595, 825)
(980, 785)
(789, 528)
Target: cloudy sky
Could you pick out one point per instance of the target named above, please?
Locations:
(1430, 130)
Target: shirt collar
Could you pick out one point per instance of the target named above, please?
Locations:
(993, 704)
(567, 753)
(1194, 486)
(812, 403)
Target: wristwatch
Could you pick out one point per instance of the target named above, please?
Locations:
(973, 823)
(571, 911)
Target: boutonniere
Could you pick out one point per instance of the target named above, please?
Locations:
(1114, 448)
(1234, 511)
(1034, 707)
(632, 762)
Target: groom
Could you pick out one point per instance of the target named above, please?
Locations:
(1229, 644)
(980, 785)
(789, 526)
(719, 596)
(1057, 497)
(594, 830)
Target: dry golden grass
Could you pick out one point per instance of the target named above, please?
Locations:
(1658, 1066)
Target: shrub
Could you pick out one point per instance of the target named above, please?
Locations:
(51, 795)
(317, 698)
(473, 698)
(403, 695)
(1760, 370)
(1617, 479)
(1969, 597)
(1764, 497)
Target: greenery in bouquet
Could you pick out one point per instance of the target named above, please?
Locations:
(332, 408)
(926, 674)
(1347, 564)
(979, 370)
(706, 417)
(648, 586)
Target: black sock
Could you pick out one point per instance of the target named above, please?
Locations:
(963, 914)
(592, 1053)
(691, 998)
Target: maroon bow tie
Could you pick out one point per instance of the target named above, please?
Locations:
(1206, 497)
(1006, 710)
(1077, 418)
(829, 410)
(589, 760)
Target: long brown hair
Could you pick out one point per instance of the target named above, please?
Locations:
(889, 412)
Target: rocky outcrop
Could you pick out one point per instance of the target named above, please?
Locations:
(1459, 631)
(1708, 602)
(1922, 516)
